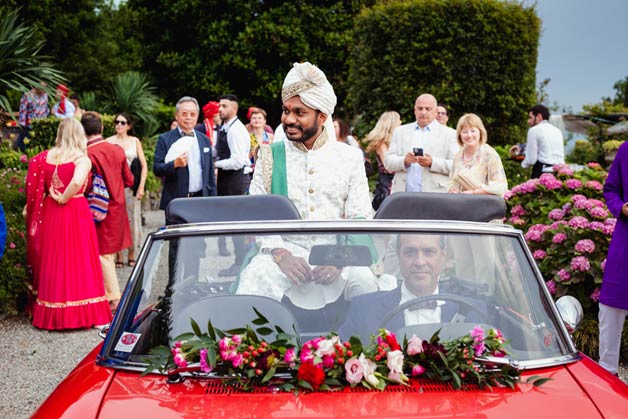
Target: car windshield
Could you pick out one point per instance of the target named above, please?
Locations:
(350, 282)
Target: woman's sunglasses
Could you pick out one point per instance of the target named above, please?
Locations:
(120, 122)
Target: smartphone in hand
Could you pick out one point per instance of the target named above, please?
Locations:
(417, 151)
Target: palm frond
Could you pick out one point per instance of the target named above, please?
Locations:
(132, 93)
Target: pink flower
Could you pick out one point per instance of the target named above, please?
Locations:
(578, 197)
(517, 221)
(550, 182)
(598, 212)
(354, 371)
(573, 184)
(578, 222)
(556, 214)
(564, 275)
(508, 195)
(291, 356)
(596, 225)
(415, 345)
(593, 165)
(580, 263)
(595, 295)
(558, 223)
(328, 361)
(585, 246)
(518, 211)
(539, 254)
(596, 203)
(12, 245)
(594, 184)
(236, 339)
(559, 238)
(564, 169)
(205, 367)
(24, 158)
(551, 286)
(417, 370)
(478, 339)
(237, 360)
(327, 346)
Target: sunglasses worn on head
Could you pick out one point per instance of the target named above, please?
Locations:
(120, 122)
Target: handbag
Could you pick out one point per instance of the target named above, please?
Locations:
(467, 182)
(136, 169)
(98, 198)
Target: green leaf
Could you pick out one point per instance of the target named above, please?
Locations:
(264, 331)
(270, 374)
(210, 330)
(304, 384)
(195, 328)
(260, 318)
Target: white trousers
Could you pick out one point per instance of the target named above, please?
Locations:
(611, 325)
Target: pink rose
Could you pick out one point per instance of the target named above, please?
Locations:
(417, 370)
(291, 356)
(354, 371)
(415, 345)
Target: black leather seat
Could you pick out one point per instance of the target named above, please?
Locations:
(441, 206)
(231, 208)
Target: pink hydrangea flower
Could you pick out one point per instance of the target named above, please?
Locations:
(516, 221)
(596, 225)
(580, 263)
(550, 182)
(595, 295)
(573, 184)
(539, 254)
(564, 275)
(578, 222)
(508, 195)
(535, 232)
(578, 197)
(564, 170)
(594, 184)
(529, 186)
(596, 203)
(608, 229)
(581, 204)
(557, 224)
(518, 211)
(594, 165)
(556, 214)
(551, 286)
(598, 212)
(585, 246)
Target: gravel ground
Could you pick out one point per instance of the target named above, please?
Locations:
(35, 361)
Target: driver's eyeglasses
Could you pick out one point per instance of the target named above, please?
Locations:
(120, 122)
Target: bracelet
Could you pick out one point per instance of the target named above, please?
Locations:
(279, 254)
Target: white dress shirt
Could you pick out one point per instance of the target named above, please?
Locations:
(544, 144)
(414, 178)
(195, 171)
(419, 316)
(239, 142)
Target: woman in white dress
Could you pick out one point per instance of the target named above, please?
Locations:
(133, 150)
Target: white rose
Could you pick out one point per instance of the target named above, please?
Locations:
(394, 361)
(327, 347)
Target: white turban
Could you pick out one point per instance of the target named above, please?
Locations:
(311, 85)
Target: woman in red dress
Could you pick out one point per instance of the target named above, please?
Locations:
(68, 276)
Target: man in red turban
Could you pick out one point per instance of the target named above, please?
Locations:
(210, 121)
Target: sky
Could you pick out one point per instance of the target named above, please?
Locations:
(582, 49)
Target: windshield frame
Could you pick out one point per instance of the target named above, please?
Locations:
(134, 284)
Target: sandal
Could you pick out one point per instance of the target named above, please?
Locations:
(119, 264)
(131, 262)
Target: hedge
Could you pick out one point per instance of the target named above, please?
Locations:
(474, 55)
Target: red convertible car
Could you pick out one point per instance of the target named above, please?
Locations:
(428, 310)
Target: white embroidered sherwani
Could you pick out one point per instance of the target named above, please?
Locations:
(327, 182)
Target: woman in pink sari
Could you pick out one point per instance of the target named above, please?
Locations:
(63, 249)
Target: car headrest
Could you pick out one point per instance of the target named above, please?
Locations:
(441, 206)
(230, 208)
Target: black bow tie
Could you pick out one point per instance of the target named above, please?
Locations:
(427, 305)
(187, 134)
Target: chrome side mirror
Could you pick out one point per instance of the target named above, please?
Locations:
(103, 332)
(570, 311)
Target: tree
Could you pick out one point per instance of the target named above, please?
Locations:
(621, 92)
(206, 49)
(474, 55)
(21, 64)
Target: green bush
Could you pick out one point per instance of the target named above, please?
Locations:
(14, 275)
(585, 152)
(44, 132)
(514, 172)
(474, 55)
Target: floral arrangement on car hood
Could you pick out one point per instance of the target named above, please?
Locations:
(241, 358)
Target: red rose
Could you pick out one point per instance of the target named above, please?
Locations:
(392, 342)
(312, 374)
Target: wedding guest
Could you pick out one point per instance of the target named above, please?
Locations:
(477, 167)
(211, 120)
(136, 160)
(378, 140)
(442, 114)
(614, 292)
(257, 122)
(343, 133)
(64, 108)
(76, 101)
(69, 283)
(33, 105)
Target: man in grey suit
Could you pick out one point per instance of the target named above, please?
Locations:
(421, 153)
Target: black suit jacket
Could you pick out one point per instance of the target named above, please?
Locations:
(368, 310)
(176, 180)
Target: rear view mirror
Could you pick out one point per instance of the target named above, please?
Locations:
(340, 255)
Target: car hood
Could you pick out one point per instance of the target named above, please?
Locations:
(152, 396)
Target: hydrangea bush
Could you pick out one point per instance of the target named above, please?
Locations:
(568, 228)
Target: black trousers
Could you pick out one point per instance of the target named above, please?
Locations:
(232, 182)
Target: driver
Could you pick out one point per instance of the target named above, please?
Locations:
(421, 259)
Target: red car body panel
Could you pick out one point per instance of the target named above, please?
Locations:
(152, 396)
(80, 394)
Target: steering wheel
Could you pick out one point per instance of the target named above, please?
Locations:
(447, 297)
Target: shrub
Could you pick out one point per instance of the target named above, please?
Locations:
(474, 55)
(13, 272)
(568, 228)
